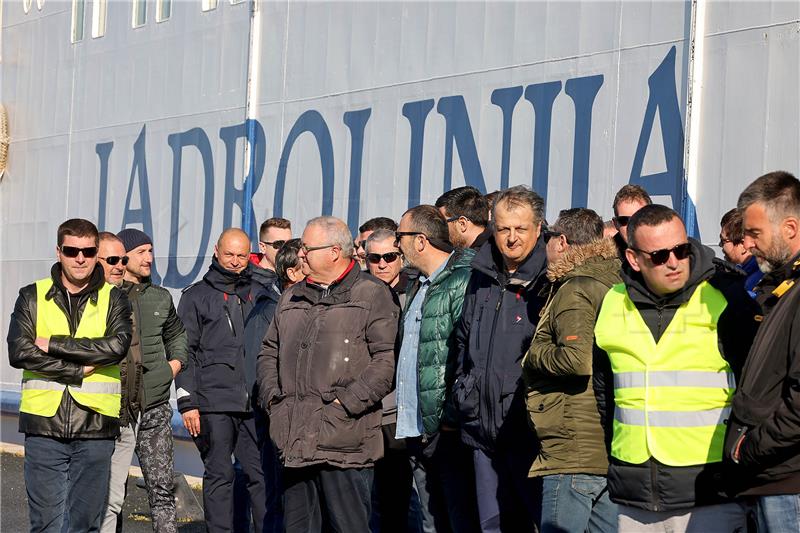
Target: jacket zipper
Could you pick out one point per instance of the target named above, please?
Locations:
(489, 406)
(653, 465)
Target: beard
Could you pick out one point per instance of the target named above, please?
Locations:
(773, 257)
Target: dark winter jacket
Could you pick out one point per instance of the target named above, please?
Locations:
(766, 406)
(500, 314)
(256, 324)
(325, 365)
(653, 485)
(566, 374)
(162, 339)
(66, 355)
(213, 311)
(389, 403)
(437, 353)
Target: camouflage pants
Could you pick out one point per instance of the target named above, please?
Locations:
(154, 448)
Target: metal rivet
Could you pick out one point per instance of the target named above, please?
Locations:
(346, 359)
(346, 341)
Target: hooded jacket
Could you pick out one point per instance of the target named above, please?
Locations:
(500, 314)
(652, 485)
(325, 365)
(213, 311)
(566, 374)
(766, 406)
(67, 355)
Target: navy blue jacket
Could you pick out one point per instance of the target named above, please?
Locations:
(497, 324)
(266, 292)
(213, 312)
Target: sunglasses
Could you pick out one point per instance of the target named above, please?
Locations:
(389, 257)
(114, 259)
(620, 222)
(549, 234)
(723, 242)
(276, 245)
(73, 251)
(659, 257)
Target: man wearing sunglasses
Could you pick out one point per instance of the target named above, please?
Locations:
(272, 234)
(364, 231)
(326, 363)
(628, 200)
(68, 333)
(677, 332)
(467, 214)
(157, 353)
(111, 254)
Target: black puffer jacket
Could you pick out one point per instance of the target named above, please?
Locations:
(497, 323)
(67, 355)
(766, 407)
(653, 485)
(213, 311)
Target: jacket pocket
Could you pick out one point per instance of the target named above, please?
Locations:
(279, 421)
(339, 431)
(466, 395)
(546, 411)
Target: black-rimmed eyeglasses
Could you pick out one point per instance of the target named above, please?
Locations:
(114, 259)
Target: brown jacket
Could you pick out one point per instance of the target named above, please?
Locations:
(326, 344)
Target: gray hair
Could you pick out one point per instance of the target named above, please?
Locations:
(378, 236)
(520, 196)
(337, 232)
(778, 191)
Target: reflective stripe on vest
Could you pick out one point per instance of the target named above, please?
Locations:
(100, 392)
(672, 397)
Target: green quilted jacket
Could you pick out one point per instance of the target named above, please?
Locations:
(441, 310)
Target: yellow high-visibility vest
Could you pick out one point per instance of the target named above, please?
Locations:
(673, 398)
(100, 392)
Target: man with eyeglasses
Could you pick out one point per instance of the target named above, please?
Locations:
(442, 465)
(628, 200)
(111, 254)
(731, 242)
(215, 392)
(326, 363)
(68, 333)
(467, 213)
(565, 377)
(272, 234)
(676, 332)
(501, 310)
(157, 353)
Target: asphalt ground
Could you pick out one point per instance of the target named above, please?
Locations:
(136, 514)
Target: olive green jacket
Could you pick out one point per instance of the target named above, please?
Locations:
(161, 337)
(567, 394)
(437, 354)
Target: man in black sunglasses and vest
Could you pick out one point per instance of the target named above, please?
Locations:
(68, 333)
(628, 200)
(157, 353)
(676, 332)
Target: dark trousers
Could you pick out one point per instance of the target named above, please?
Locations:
(445, 480)
(508, 500)
(322, 496)
(270, 464)
(66, 479)
(393, 487)
(222, 435)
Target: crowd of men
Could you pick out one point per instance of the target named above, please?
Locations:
(467, 368)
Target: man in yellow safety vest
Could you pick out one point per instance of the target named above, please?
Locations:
(676, 332)
(68, 333)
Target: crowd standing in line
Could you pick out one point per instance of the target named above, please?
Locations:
(466, 368)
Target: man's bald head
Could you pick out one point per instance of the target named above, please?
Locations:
(233, 250)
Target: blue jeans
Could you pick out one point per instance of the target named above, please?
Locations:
(577, 502)
(778, 514)
(66, 478)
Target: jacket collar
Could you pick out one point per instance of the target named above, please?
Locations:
(338, 291)
(96, 282)
(578, 254)
(481, 239)
(489, 261)
(228, 282)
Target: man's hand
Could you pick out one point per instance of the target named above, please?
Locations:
(191, 421)
(88, 370)
(176, 367)
(42, 343)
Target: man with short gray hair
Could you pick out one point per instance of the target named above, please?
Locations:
(325, 365)
(764, 429)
